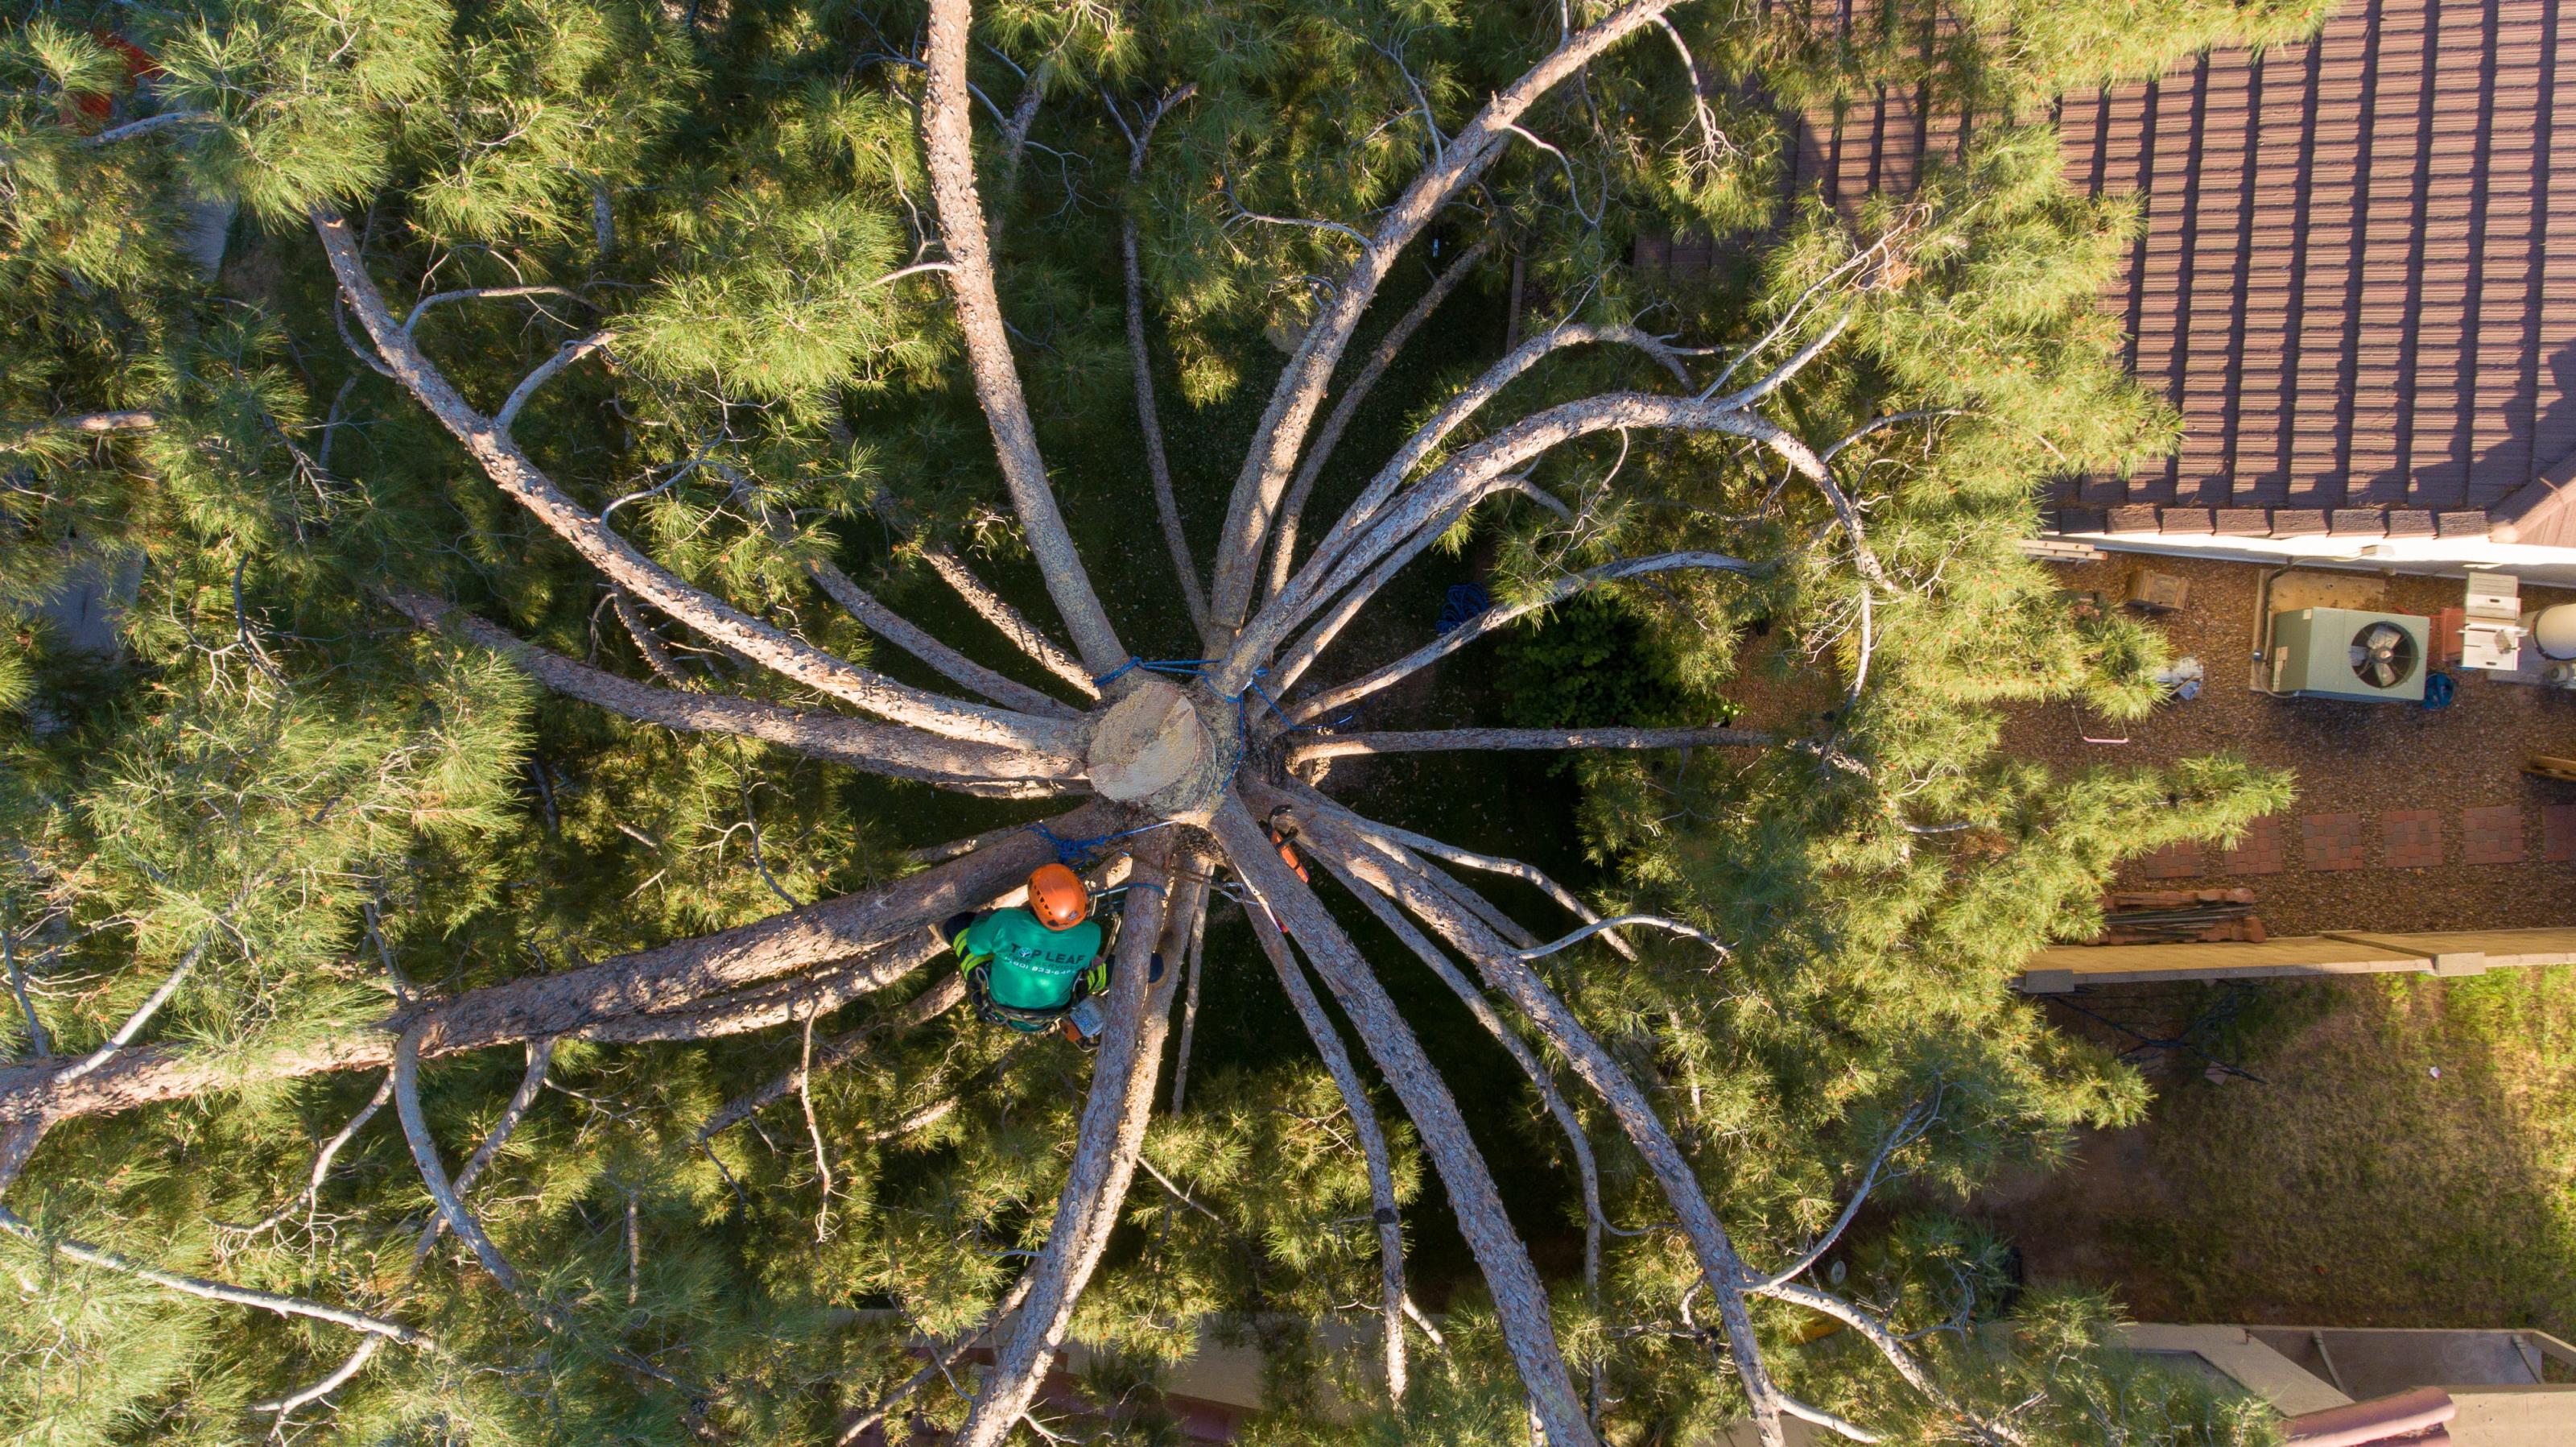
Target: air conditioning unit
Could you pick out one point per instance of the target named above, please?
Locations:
(2347, 654)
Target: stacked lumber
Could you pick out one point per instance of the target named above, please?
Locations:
(2179, 916)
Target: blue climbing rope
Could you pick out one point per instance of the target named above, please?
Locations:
(1078, 854)
(1464, 603)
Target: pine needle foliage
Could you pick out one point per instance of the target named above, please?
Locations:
(263, 818)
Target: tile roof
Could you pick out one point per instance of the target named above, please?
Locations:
(2346, 281)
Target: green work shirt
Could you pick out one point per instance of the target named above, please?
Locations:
(1033, 967)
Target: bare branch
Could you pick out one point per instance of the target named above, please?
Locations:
(1472, 473)
(288, 1405)
(1875, 1332)
(541, 1054)
(1189, 1010)
(322, 1161)
(938, 1000)
(1490, 620)
(1014, 625)
(1446, 740)
(135, 1022)
(433, 1173)
(1502, 970)
(1827, 1420)
(1491, 864)
(1908, 1130)
(1282, 430)
(1364, 1124)
(99, 423)
(147, 126)
(510, 470)
(1520, 1300)
(485, 293)
(88, 1255)
(1283, 551)
(893, 627)
(1578, 1142)
(565, 355)
(1149, 415)
(876, 748)
(1110, 1137)
(669, 979)
(948, 147)
(1597, 926)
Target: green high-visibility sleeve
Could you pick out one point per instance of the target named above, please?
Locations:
(1033, 967)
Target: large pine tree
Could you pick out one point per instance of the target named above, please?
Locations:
(586, 497)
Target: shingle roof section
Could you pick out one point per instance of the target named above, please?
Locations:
(2346, 282)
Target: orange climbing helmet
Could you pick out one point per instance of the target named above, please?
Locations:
(1058, 897)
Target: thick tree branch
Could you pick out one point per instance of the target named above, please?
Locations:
(1520, 1300)
(886, 749)
(948, 148)
(903, 633)
(1448, 740)
(1364, 1124)
(1104, 1160)
(1283, 547)
(1471, 474)
(510, 470)
(1343, 695)
(667, 979)
(1578, 1142)
(1292, 665)
(1629, 1106)
(1301, 386)
(1452, 415)
(1527, 873)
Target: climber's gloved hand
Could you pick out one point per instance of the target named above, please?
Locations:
(955, 925)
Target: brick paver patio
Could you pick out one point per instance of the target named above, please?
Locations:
(2333, 841)
(2413, 838)
(2492, 835)
(2558, 833)
(2174, 861)
(2261, 850)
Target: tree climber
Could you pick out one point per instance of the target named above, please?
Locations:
(1035, 967)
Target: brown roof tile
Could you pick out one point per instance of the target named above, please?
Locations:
(2345, 282)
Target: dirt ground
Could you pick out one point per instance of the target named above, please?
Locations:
(2403, 1154)
(2365, 758)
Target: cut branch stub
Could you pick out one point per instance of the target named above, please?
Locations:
(1164, 749)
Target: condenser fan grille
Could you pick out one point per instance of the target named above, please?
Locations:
(2383, 655)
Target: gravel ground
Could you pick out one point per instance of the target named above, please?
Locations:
(2349, 757)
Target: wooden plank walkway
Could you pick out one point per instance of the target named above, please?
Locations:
(2060, 969)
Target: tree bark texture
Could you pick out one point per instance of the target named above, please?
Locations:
(949, 150)
(667, 979)
(1520, 1300)
(509, 469)
(1122, 1094)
